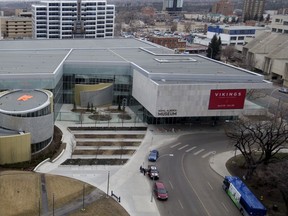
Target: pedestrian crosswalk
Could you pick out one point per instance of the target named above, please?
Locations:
(195, 150)
(182, 147)
(175, 145)
(190, 149)
(198, 152)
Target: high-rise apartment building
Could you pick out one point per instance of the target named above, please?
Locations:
(253, 9)
(172, 6)
(224, 7)
(66, 19)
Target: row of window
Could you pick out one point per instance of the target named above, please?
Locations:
(71, 18)
(42, 11)
(69, 4)
(35, 147)
(20, 26)
(88, 30)
(42, 112)
(285, 31)
(237, 38)
(239, 43)
(44, 24)
(245, 32)
(55, 34)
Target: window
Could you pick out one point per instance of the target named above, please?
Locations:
(54, 4)
(233, 38)
(241, 38)
(279, 30)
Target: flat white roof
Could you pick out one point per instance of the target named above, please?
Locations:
(44, 57)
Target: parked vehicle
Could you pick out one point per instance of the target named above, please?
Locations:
(160, 191)
(153, 172)
(283, 90)
(153, 155)
(243, 198)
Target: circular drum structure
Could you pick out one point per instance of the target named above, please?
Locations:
(29, 113)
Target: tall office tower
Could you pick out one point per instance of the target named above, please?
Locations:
(253, 9)
(224, 7)
(172, 6)
(66, 19)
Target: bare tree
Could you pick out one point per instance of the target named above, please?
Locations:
(240, 134)
(259, 140)
(228, 52)
(187, 26)
(253, 94)
(174, 27)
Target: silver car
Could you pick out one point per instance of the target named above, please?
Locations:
(153, 172)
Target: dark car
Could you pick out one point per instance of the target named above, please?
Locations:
(283, 90)
(153, 172)
(153, 155)
(160, 191)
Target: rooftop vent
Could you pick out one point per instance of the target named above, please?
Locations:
(175, 59)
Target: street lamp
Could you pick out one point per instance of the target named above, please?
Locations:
(83, 207)
(108, 184)
(169, 155)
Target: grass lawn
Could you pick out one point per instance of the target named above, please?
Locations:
(103, 207)
(21, 193)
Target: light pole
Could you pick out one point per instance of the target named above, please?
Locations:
(53, 204)
(108, 184)
(83, 207)
(169, 155)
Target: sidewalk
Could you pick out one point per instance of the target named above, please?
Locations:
(125, 181)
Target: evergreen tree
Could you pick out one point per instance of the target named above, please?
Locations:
(214, 48)
(219, 42)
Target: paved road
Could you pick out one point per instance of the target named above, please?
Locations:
(194, 188)
(135, 189)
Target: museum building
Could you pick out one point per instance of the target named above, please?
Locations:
(161, 87)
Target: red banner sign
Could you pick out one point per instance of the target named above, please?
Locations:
(227, 99)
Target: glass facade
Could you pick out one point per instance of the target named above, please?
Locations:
(58, 96)
(119, 75)
(122, 85)
(36, 147)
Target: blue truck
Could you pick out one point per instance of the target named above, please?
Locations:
(244, 199)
